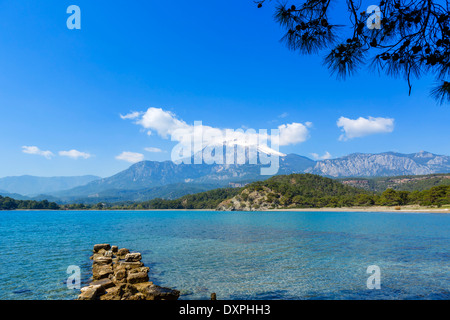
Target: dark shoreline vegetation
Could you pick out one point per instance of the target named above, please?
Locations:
(279, 192)
(7, 203)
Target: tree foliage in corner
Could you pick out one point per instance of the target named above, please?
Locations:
(412, 37)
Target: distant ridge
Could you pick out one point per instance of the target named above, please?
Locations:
(32, 186)
(150, 179)
(147, 180)
(382, 165)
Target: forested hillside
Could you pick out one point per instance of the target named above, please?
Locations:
(401, 183)
(311, 191)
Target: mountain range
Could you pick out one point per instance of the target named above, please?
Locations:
(383, 164)
(152, 179)
(32, 186)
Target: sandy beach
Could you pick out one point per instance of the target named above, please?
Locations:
(415, 209)
(371, 209)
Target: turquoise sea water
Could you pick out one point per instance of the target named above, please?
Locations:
(264, 255)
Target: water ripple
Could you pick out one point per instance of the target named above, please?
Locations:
(237, 255)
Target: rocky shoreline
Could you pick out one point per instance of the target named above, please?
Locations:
(120, 275)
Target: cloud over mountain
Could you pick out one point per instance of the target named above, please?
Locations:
(131, 157)
(167, 125)
(326, 156)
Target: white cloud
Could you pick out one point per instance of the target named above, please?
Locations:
(294, 133)
(131, 157)
(167, 125)
(362, 127)
(131, 115)
(163, 122)
(75, 154)
(283, 115)
(326, 156)
(37, 151)
(152, 149)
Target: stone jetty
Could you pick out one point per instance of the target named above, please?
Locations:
(119, 274)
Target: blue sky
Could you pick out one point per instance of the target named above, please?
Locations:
(222, 64)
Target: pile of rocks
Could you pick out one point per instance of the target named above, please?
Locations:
(120, 275)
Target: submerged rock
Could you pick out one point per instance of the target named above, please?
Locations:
(154, 292)
(121, 253)
(120, 292)
(99, 247)
(131, 265)
(120, 275)
(102, 260)
(108, 253)
(137, 277)
(91, 292)
(101, 271)
(133, 257)
(105, 283)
